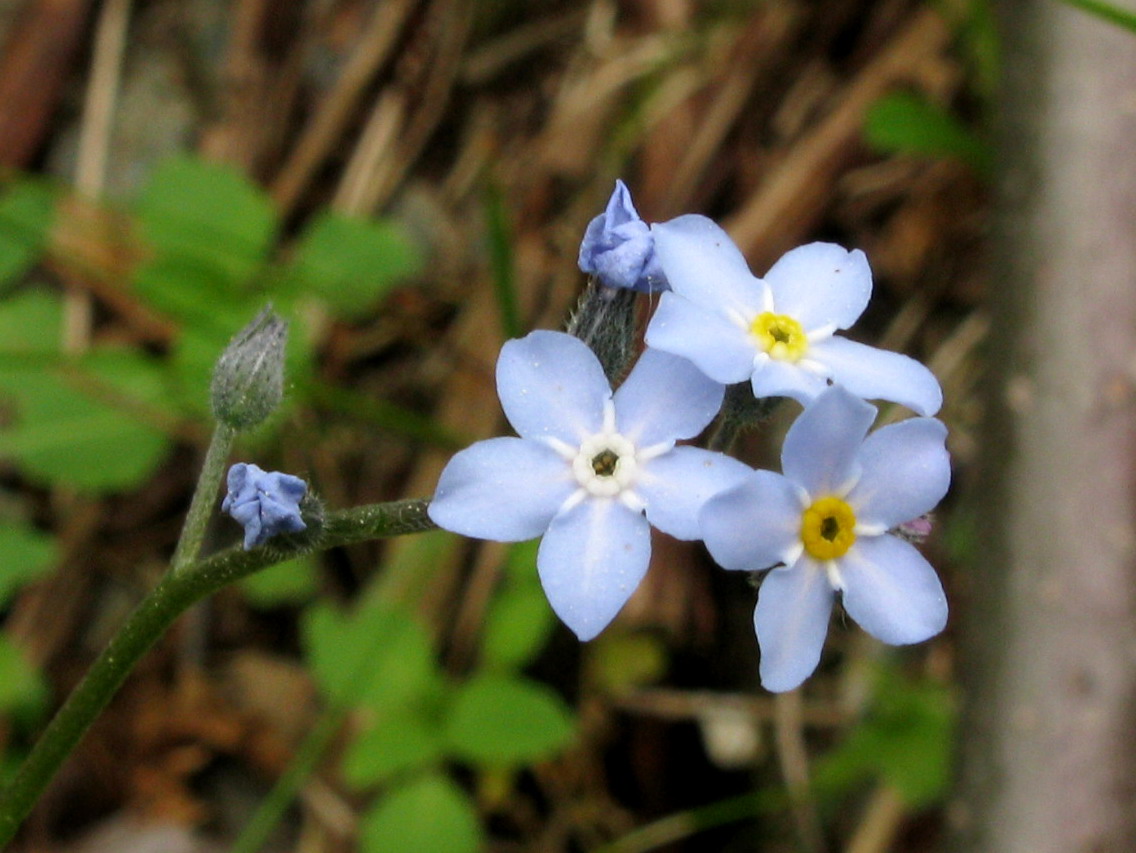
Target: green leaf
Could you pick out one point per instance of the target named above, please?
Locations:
(351, 263)
(199, 296)
(905, 739)
(30, 325)
(377, 656)
(428, 815)
(499, 720)
(907, 123)
(620, 662)
(27, 554)
(518, 621)
(290, 582)
(208, 216)
(23, 691)
(27, 211)
(394, 744)
(79, 423)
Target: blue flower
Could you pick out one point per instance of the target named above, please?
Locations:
(265, 502)
(826, 521)
(618, 248)
(591, 471)
(776, 332)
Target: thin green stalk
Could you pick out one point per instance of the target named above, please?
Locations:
(177, 591)
(739, 410)
(204, 496)
(287, 787)
(684, 825)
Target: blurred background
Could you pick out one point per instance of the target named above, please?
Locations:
(407, 181)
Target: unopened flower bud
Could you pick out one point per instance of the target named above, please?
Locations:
(248, 380)
(619, 249)
(267, 503)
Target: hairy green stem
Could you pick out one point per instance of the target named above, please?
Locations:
(287, 787)
(201, 507)
(740, 410)
(176, 592)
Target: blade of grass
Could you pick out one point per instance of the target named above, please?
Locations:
(1107, 12)
(501, 258)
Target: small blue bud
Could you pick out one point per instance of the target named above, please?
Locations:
(265, 502)
(619, 249)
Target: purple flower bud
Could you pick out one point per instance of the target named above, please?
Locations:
(619, 249)
(265, 502)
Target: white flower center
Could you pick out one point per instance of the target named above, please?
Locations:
(605, 464)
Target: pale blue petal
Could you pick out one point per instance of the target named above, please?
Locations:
(664, 398)
(820, 448)
(590, 561)
(877, 374)
(905, 471)
(774, 378)
(702, 264)
(677, 484)
(719, 348)
(753, 525)
(791, 621)
(551, 385)
(821, 284)
(891, 591)
(505, 489)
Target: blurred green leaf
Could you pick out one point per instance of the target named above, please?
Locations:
(394, 744)
(377, 656)
(981, 44)
(500, 720)
(621, 662)
(907, 123)
(351, 263)
(904, 739)
(27, 210)
(290, 582)
(199, 296)
(25, 554)
(206, 216)
(428, 815)
(23, 691)
(79, 423)
(518, 621)
(30, 323)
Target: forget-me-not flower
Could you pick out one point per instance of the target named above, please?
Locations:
(826, 519)
(590, 472)
(265, 502)
(776, 332)
(618, 248)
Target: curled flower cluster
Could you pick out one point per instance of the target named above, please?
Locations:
(593, 469)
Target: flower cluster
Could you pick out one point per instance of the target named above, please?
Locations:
(593, 469)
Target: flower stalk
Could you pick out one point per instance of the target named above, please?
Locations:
(150, 620)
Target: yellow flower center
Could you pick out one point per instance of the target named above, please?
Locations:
(828, 528)
(780, 336)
